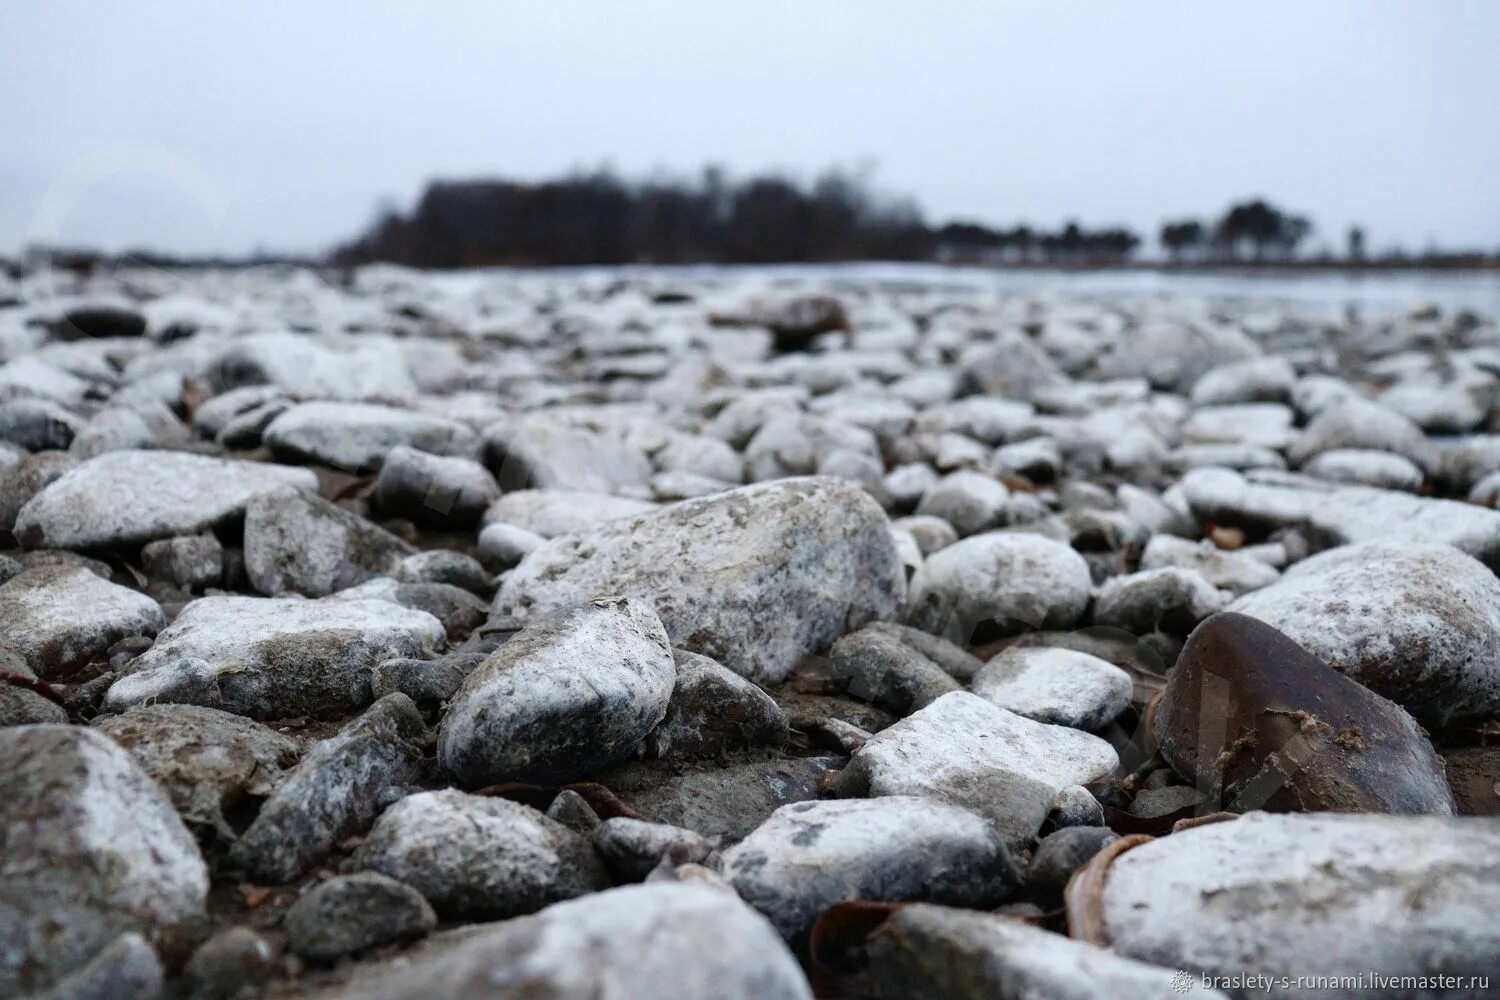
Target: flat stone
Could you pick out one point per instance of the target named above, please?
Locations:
(1224, 569)
(60, 618)
(356, 437)
(132, 497)
(1339, 515)
(1061, 687)
(810, 855)
(273, 658)
(352, 913)
(192, 561)
(965, 750)
(540, 454)
(1417, 623)
(92, 849)
(1282, 894)
(1366, 467)
(1359, 423)
(1004, 580)
(937, 951)
(753, 578)
(575, 691)
(550, 513)
(28, 477)
(698, 941)
(297, 542)
(717, 801)
(335, 792)
(480, 858)
(210, 763)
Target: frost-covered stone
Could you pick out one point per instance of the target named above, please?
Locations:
(539, 453)
(969, 751)
(1367, 467)
(1224, 569)
(753, 578)
(550, 513)
(969, 501)
(336, 791)
(810, 855)
(27, 477)
(882, 667)
(130, 497)
(1286, 893)
(633, 848)
(1000, 579)
(356, 437)
(713, 709)
(1171, 599)
(675, 941)
(501, 546)
(1359, 423)
(1062, 687)
(350, 913)
(1252, 381)
(91, 849)
(433, 489)
(577, 690)
(958, 954)
(1333, 514)
(297, 542)
(273, 658)
(480, 858)
(1417, 623)
(210, 763)
(58, 618)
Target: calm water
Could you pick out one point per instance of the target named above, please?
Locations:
(1376, 293)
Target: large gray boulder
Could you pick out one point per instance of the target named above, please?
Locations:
(61, 617)
(577, 690)
(132, 497)
(1317, 894)
(274, 658)
(90, 849)
(754, 577)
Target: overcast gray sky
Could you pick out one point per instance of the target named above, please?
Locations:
(225, 126)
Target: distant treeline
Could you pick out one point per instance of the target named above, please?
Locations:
(598, 218)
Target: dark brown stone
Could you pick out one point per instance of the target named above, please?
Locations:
(1258, 722)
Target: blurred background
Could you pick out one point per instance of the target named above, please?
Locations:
(1012, 135)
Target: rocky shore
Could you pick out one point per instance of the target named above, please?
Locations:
(526, 634)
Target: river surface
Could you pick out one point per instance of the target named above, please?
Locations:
(1375, 292)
